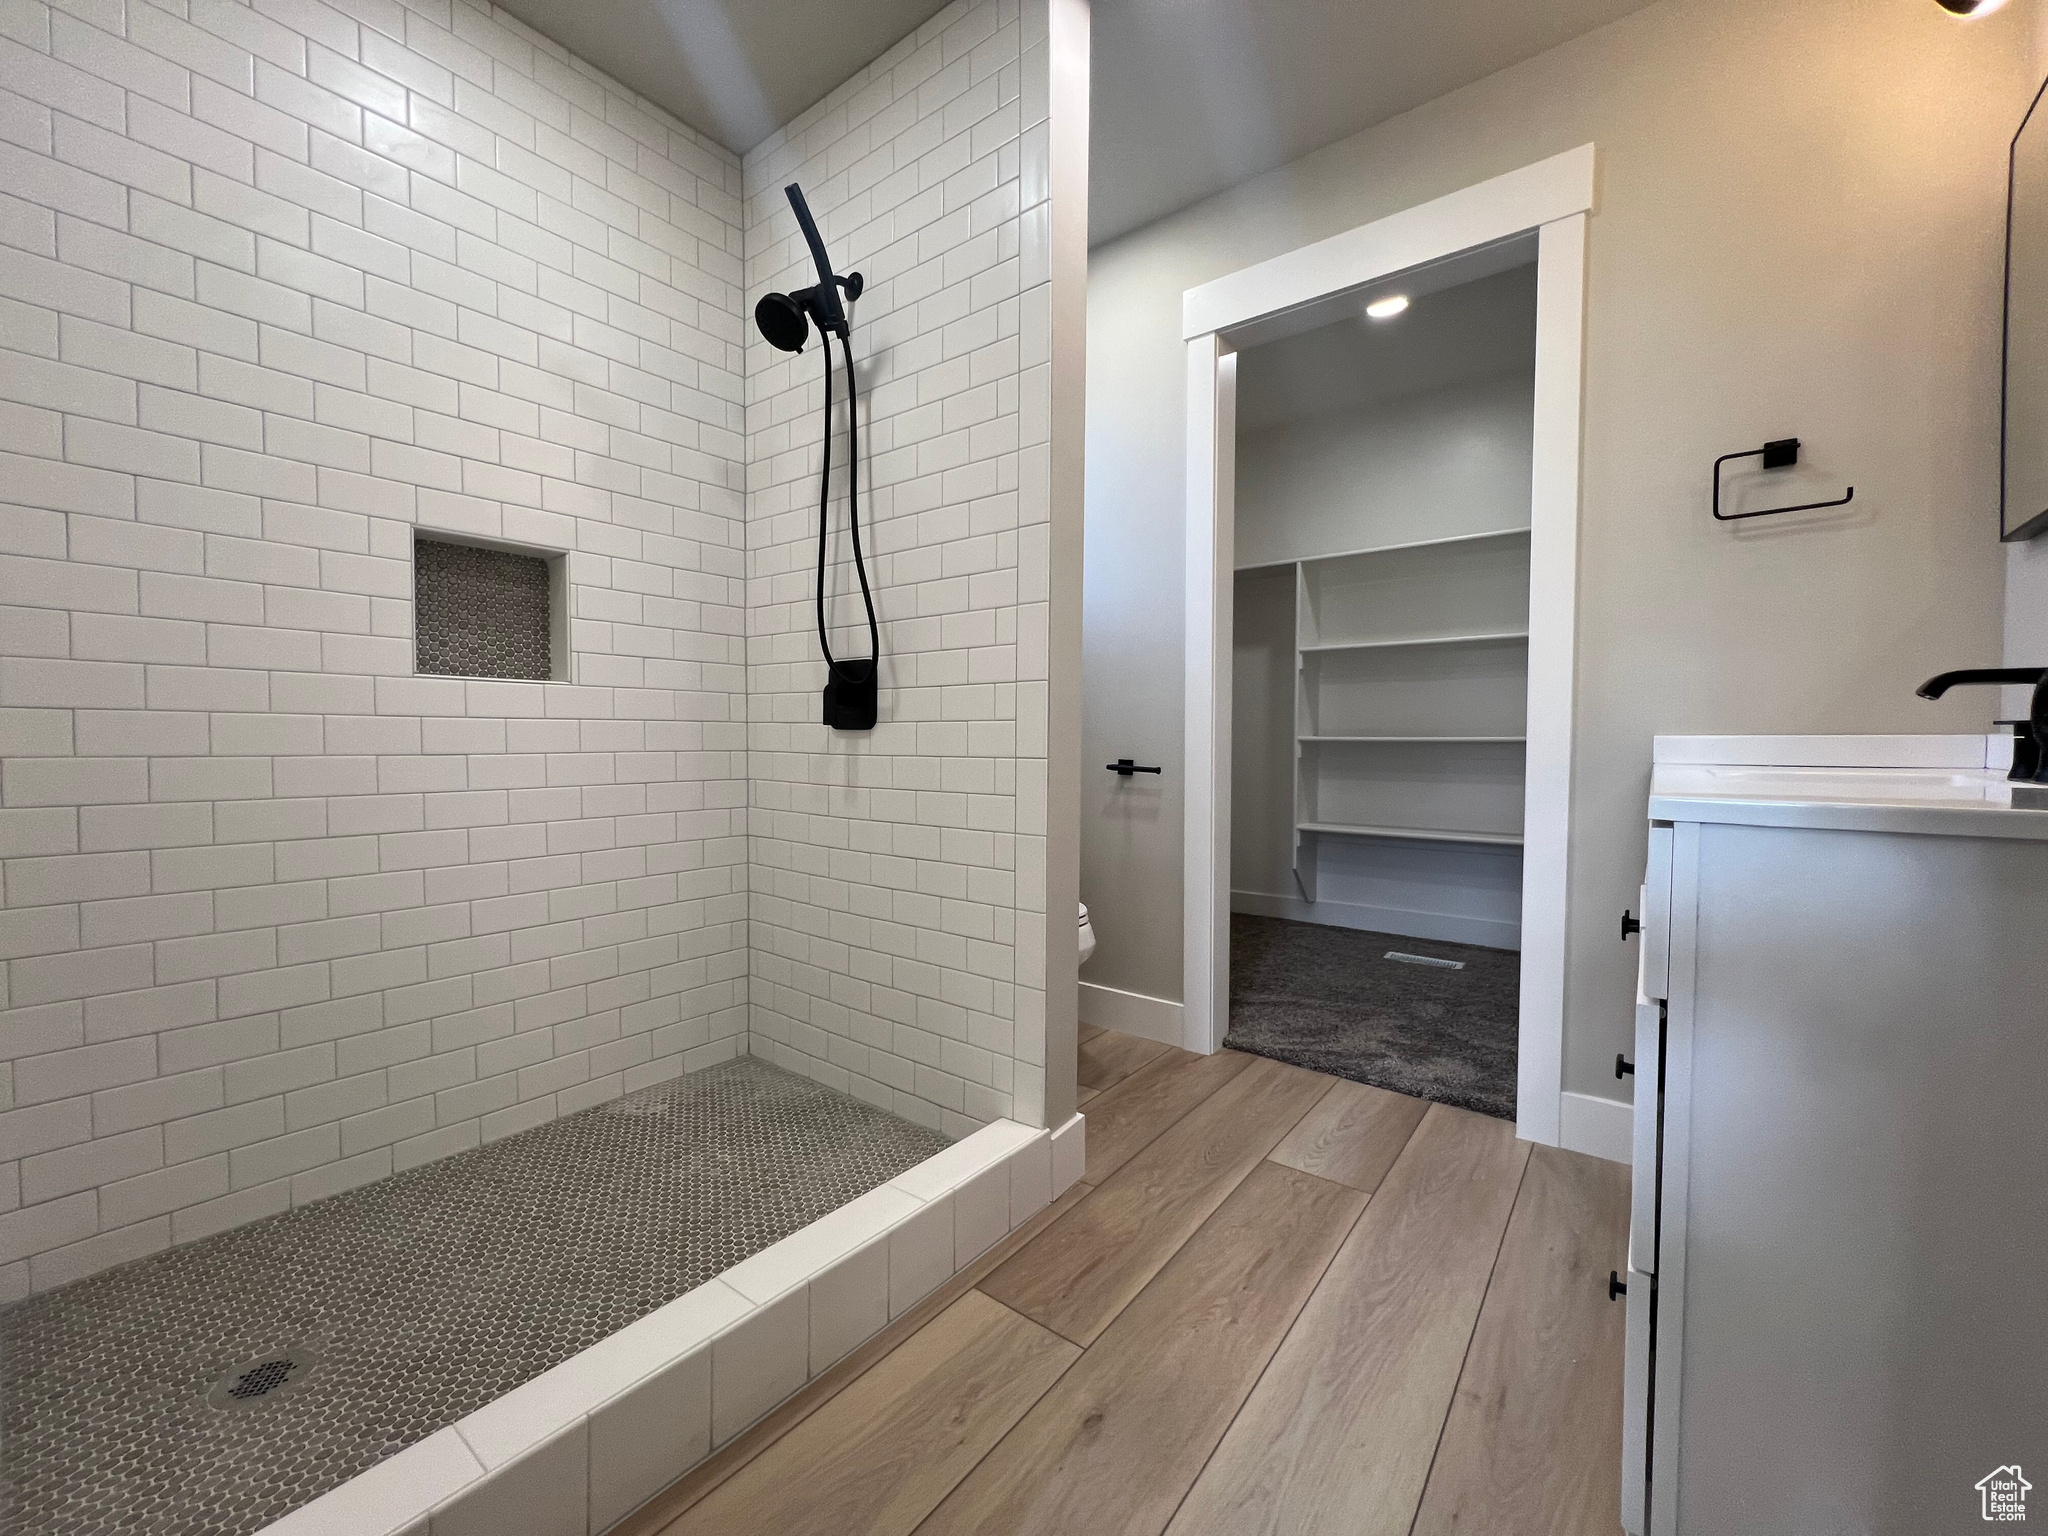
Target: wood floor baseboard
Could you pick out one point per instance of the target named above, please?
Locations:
(1598, 1127)
(1133, 1013)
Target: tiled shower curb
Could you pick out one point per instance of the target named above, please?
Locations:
(580, 1447)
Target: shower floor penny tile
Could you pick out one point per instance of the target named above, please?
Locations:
(339, 1333)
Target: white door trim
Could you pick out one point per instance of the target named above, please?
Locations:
(1552, 197)
(1507, 205)
(1205, 837)
(1553, 625)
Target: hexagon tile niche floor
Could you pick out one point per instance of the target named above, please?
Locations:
(416, 1299)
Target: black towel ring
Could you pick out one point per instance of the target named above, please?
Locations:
(1782, 453)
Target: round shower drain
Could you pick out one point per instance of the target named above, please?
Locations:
(261, 1380)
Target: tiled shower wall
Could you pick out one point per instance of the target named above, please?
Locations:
(898, 879)
(278, 283)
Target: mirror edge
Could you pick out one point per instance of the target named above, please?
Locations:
(2037, 523)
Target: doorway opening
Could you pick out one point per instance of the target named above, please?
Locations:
(1383, 492)
(1380, 669)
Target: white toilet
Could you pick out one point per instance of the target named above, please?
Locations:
(1087, 935)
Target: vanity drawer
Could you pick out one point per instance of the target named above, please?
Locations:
(1642, 1226)
(1656, 935)
(1638, 1381)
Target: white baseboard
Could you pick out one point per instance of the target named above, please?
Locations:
(1069, 1154)
(1132, 1013)
(1596, 1126)
(1442, 926)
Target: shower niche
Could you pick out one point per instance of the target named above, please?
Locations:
(488, 609)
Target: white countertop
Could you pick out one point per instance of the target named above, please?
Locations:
(1951, 786)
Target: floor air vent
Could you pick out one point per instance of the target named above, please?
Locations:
(260, 1380)
(1406, 959)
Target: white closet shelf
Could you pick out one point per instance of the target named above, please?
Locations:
(1388, 549)
(1415, 640)
(1451, 739)
(1413, 834)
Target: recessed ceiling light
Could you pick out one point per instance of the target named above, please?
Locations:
(1971, 8)
(1387, 308)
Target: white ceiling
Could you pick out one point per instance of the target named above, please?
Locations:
(1190, 96)
(1458, 271)
(734, 69)
(1477, 329)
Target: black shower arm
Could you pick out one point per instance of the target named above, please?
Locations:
(830, 314)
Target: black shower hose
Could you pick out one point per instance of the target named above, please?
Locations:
(849, 672)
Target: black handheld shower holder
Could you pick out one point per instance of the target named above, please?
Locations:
(786, 319)
(853, 695)
(852, 688)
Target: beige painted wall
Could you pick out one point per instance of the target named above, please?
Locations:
(1798, 232)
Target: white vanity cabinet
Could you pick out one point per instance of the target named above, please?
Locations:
(1838, 1259)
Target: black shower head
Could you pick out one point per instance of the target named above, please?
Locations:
(783, 321)
(785, 318)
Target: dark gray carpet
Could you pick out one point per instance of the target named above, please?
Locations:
(1329, 1000)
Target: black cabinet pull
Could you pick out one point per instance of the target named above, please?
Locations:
(1622, 1065)
(1614, 1286)
(1629, 925)
(1124, 767)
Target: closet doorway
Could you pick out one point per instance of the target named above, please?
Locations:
(1383, 489)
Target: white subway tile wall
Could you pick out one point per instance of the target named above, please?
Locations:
(279, 283)
(898, 879)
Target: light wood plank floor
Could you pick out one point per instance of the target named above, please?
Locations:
(1276, 1303)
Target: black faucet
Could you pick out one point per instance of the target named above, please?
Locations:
(2029, 736)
